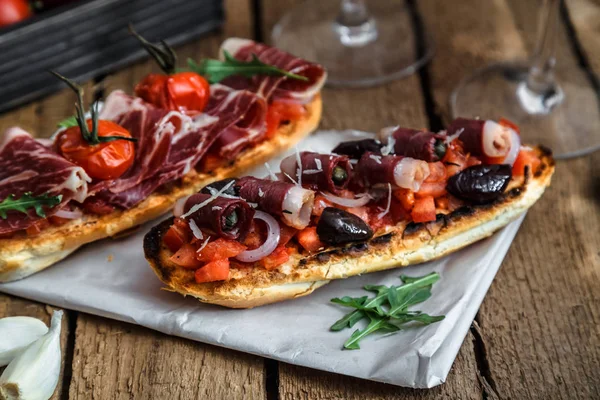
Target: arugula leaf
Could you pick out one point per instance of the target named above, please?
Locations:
(394, 299)
(217, 70)
(410, 279)
(348, 321)
(68, 122)
(377, 324)
(28, 201)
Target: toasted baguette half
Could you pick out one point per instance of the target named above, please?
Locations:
(21, 256)
(397, 246)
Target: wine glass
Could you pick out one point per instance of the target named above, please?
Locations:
(564, 117)
(358, 45)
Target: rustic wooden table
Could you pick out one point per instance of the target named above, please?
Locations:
(537, 333)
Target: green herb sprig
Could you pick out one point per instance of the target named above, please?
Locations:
(90, 137)
(26, 202)
(216, 70)
(387, 311)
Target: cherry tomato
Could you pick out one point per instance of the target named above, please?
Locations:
(13, 11)
(107, 160)
(183, 91)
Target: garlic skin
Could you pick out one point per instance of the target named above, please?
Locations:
(17, 333)
(33, 375)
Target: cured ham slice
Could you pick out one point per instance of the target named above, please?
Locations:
(422, 145)
(483, 137)
(249, 129)
(170, 144)
(275, 87)
(403, 172)
(326, 172)
(225, 217)
(26, 165)
(291, 202)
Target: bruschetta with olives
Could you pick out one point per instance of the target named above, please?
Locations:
(369, 205)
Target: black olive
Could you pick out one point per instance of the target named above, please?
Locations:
(218, 185)
(339, 175)
(338, 227)
(356, 148)
(480, 184)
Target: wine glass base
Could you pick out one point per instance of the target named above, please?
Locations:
(383, 48)
(567, 120)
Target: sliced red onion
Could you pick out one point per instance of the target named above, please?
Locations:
(298, 202)
(69, 214)
(273, 235)
(515, 147)
(410, 173)
(179, 204)
(496, 139)
(359, 201)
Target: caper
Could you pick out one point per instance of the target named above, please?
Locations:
(231, 221)
(339, 175)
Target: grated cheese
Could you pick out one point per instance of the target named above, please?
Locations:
(196, 207)
(376, 158)
(203, 245)
(195, 230)
(260, 193)
(299, 170)
(318, 164)
(389, 147)
(271, 174)
(389, 203)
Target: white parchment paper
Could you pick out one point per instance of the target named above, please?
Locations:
(111, 278)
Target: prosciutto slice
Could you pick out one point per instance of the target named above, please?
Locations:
(170, 143)
(404, 172)
(326, 172)
(292, 203)
(417, 144)
(249, 129)
(26, 165)
(225, 217)
(275, 87)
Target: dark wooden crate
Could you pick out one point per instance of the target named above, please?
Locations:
(89, 38)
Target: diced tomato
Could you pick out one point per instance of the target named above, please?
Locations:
(406, 197)
(97, 206)
(473, 161)
(58, 221)
(37, 227)
(287, 233)
(525, 158)
(186, 257)
(279, 112)
(437, 172)
(442, 202)
(211, 162)
(360, 212)
(176, 236)
(309, 239)
(379, 221)
(217, 270)
(220, 249)
(276, 258)
(321, 203)
(424, 210)
(397, 211)
(509, 124)
(454, 160)
(434, 189)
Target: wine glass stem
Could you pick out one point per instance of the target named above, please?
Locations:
(541, 79)
(354, 24)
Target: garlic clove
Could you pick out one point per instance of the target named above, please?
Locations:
(33, 374)
(17, 333)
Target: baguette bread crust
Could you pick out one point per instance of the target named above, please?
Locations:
(397, 246)
(21, 256)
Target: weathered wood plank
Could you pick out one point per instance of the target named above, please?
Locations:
(585, 16)
(118, 360)
(539, 322)
(115, 360)
(12, 306)
(370, 109)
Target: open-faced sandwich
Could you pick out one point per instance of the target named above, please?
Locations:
(370, 205)
(132, 160)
